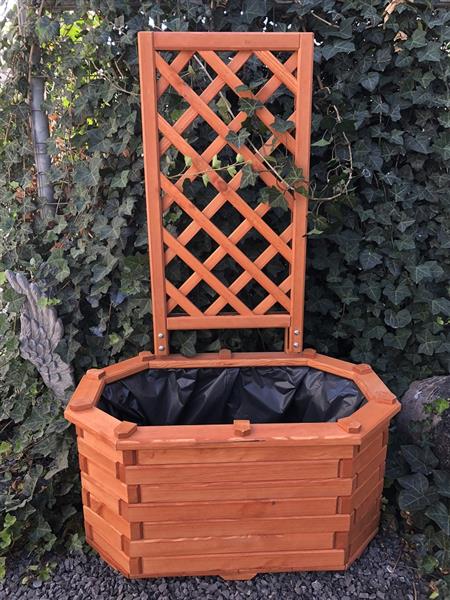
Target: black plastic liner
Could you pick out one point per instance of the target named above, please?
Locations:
(204, 396)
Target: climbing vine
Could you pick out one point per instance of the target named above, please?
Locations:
(379, 236)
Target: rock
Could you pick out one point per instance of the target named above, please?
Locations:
(414, 402)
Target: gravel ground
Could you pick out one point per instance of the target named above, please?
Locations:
(384, 572)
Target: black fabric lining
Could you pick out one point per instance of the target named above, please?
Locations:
(201, 396)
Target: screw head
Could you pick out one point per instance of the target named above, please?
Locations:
(160, 335)
(161, 348)
(296, 331)
(296, 344)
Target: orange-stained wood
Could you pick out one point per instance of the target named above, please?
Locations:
(282, 72)
(150, 138)
(300, 210)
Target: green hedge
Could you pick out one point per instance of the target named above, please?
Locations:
(378, 257)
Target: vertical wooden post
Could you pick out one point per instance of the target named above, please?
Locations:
(150, 135)
(300, 208)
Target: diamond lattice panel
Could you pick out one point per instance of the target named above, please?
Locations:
(226, 121)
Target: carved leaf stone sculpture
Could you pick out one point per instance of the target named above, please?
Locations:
(40, 333)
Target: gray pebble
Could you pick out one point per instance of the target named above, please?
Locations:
(378, 575)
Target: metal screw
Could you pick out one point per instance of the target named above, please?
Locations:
(296, 331)
(160, 335)
(296, 344)
(161, 348)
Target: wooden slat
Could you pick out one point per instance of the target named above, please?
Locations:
(229, 509)
(265, 471)
(225, 41)
(110, 551)
(103, 528)
(326, 488)
(231, 544)
(107, 450)
(247, 526)
(260, 562)
(245, 453)
(152, 189)
(300, 210)
(108, 482)
(96, 456)
(229, 322)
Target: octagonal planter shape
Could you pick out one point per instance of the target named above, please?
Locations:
(250, 487)
(231, 499)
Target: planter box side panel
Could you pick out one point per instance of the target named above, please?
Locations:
(223, 509)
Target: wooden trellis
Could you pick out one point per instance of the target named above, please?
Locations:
(282, 307)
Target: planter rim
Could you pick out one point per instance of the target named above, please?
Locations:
(82, 411)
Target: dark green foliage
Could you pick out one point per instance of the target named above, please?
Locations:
(378, 256)
(419, 489)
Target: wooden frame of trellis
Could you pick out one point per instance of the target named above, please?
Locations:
(158, 135)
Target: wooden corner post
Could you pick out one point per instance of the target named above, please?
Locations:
(150, 136)
(303, 103)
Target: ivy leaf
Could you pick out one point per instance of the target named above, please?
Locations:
(47, 29)
(249, 176)
(370, 81)
(250, 105)
(281, 125)
(425, 271)
(429, 343)
(205, 179)
(431, 53)
(120, 180)
(442, 541)
(439, 514)
(253, 9)
(224, 107)
(294, 177)
(415, 495)
(397, 294)
(216, 163)
(370, 259)
(337, 47)
(242, 88)
(442, 481)
(187, 161)
(238, 139)
(417, 40)
(440, 306)
(441, 145)
(274, 198)
(421, 460)
(188, 345)
(321, 143)
(397, 320)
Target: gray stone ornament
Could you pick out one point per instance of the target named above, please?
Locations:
(40, 333)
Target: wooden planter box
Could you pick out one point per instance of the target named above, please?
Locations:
(230, 499)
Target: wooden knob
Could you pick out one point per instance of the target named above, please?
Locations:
(125, 430)
(241, 427)
(349, 425)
